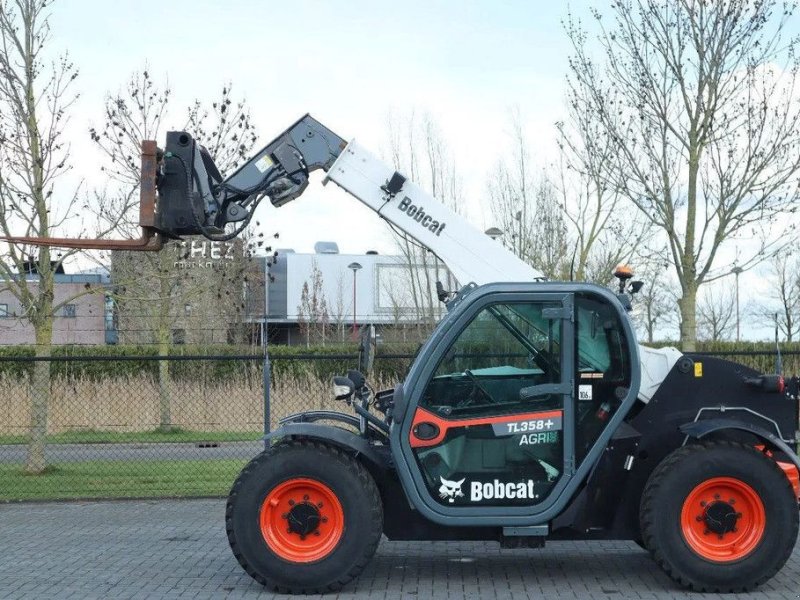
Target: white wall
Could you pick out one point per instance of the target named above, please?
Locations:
(382, 285)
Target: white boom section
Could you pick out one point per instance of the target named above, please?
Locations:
(471, 255)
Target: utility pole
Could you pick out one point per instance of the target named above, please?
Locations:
(736, 270)
(354, 266)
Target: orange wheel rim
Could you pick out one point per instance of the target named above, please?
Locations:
(301, 520)
(723, 519)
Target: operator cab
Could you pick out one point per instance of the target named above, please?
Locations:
(519, 389)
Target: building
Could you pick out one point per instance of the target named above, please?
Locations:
(194, 291)
(201, 292)
(383, 290)
(85, 318)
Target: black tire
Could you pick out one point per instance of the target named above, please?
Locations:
(353, 487)
(675, 479)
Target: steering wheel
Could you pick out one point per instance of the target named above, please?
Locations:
(476, 387)
(549, 363)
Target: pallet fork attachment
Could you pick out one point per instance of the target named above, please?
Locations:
(193, 197)
(151, 239)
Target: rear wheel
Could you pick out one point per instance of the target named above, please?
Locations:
(719, 517)
(303, 517)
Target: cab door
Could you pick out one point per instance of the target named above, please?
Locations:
(493, 426)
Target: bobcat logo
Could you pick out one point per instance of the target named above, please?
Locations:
(450, 489)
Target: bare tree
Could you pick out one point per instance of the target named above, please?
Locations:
(418, 149)
(153, 286)
(340, 308)
(528, 209)
(225, 128)
(36, 97)
(137, 113)
(313, 316)
(655, 305)
(398, 306)
(570, 225)
(716, 314)
(603, 230)
(781, 302)
(698, 99)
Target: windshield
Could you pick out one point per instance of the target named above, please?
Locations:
(506, 340)
(522, 340)
(593, 354)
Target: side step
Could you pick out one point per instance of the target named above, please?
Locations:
(524, 537)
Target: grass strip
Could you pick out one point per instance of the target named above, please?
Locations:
(120, 479)
(90, 436)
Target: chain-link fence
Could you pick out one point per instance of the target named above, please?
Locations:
(139, 426)
(150, 426)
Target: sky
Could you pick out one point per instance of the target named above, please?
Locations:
(349, 64)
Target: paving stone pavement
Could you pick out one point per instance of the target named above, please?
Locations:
(178, 549)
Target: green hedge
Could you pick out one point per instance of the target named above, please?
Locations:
(732, 346)
(287, 362)
(99, 369)
(319, 362)
(764, 363)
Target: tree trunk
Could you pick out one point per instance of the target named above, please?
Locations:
(688, 308)
(164, 395)
(40, 397)
(689, 285)
(583, 258)
(163, 340)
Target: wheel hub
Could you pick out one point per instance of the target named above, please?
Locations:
(303, 519)
(723, 519)
(720, 517)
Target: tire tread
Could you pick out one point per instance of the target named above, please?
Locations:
(648, 519)
(374, 513)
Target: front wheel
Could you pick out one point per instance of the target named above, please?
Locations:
(719, 517)
(303, 517)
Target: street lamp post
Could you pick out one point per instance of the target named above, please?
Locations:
(267, 367)
(497, 234)
(494, 232)
(354, 266)
(736, 270)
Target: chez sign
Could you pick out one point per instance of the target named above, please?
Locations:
(204, 254)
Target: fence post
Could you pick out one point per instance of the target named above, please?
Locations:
(366, 350)
(267, 385)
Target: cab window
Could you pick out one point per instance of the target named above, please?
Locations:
(506, 348)
(500, 442)
(603, 371)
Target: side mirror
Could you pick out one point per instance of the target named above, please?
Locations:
(636, 286)
(343, 388)
(356, 378)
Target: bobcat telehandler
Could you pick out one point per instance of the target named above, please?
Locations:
(530, 413)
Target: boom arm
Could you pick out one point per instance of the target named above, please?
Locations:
(280, 171)
(471, 255)
(195, 199)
